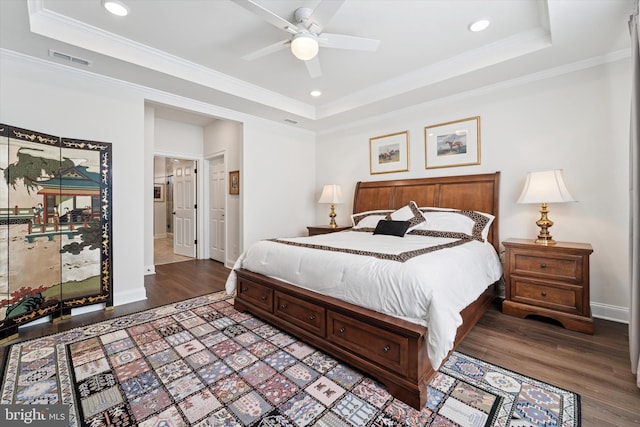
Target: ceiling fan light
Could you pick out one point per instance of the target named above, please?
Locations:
(115, 7)
(304, 47)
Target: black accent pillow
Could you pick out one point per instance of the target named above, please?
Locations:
(392, 228)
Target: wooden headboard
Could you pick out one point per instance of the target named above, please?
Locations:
(469, 192)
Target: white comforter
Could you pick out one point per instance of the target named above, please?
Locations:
(429, 289)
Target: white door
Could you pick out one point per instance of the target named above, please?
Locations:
(217, 192)
(184, 208)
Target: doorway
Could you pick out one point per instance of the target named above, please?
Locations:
(175, 210)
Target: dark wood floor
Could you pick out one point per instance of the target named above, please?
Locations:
(595, 366)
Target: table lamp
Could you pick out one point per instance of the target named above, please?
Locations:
(545, 187)
(331, 193)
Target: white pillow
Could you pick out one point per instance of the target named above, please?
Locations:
(410, 212)
(371, 218)
(370, 221)
(473, 223)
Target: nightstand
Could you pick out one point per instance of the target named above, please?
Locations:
(314, 230)
(550, 281)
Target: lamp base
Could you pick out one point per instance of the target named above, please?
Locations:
(332, 215)
(544, 237)
(544, 241)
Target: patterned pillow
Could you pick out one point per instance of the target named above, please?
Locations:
(369, 219)
(456, 222)
(410, 213)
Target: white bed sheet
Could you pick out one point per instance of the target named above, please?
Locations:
(429, 289)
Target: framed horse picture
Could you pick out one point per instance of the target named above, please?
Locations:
(389, 153)
(455, 143)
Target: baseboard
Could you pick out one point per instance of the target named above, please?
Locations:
(86, 309)
(149, 269)
(610, 312)
(126, 297)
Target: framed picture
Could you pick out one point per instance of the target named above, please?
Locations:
(158, 192)
(389, 153)
(234, 182)
(454, 143)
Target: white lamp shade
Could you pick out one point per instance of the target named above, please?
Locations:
(545, 187)
(331, 193)
(304, 47)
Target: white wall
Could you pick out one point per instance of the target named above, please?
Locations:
(149, 208)
(74, 105)
(577, 122)
(278, 181)
(160, 208)
(63, 101)
(176, 139)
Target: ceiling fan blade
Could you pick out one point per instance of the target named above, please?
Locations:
(313, 67)
(282, 44)
(323, 13)
(341, 41)
(268, 16)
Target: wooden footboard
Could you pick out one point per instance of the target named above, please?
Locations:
(384, 347)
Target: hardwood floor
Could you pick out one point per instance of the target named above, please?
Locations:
(595, 366)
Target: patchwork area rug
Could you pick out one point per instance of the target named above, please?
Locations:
(200, 362)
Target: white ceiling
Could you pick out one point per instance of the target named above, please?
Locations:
(194, 48)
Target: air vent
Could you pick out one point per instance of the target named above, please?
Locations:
(69, 58)
(291, 121)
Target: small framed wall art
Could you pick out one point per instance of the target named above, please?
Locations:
(234, 182)
(455, 143)
(389, 153)
(158, 192)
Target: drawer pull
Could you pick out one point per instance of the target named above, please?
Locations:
(543, 265)
(245, 289)
(312, 318)
(341, 331)
(543, 293)
(283, 307)
(386, 349)
(263, 297)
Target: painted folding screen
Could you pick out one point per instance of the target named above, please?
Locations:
(55, 226)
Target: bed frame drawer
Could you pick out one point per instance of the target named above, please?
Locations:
(260, 295)
(383, 347)
(301, 313)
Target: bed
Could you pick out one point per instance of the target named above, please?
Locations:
(395, 349)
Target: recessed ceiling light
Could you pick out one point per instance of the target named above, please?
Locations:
(315, 93)
(479, 25)
(116, 7)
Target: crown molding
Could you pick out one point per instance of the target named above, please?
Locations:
(487, 89)
(62, 28)
(468, 62)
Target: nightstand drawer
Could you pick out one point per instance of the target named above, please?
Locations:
(557, 266)
(556, 296)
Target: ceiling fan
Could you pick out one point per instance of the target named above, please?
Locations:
(306, 36)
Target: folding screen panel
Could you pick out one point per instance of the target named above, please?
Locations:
(55, 226)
